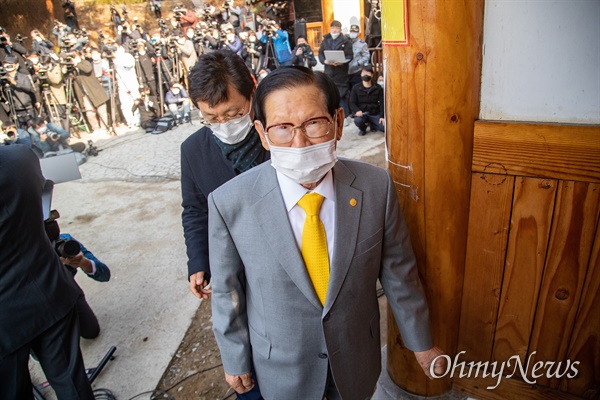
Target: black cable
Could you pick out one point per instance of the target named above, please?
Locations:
(189, 376)
(155, 395)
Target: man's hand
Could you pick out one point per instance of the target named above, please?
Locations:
(299, 51)
(382, 121)
(358, 113)
(425, 358)
(240, 383)
(198, 286)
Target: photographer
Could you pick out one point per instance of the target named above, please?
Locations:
(89, 92)
(185, 17)
(303, 55)
(146, 66)
(233, 42)
(146, 106)
(89, 328)
(10, 134)
(178, 101)
(24, 95)
(12, 49)
(70, 14)
(41, 45)
(185, 47)
(49, 137)
(60, 30)
(125, 36)
(272, 32)
(253, 50)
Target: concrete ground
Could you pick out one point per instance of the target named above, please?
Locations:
(127, 210)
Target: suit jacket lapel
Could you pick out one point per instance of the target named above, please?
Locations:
(271, 216)
(348, 205)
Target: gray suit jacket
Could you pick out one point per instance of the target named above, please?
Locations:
(265, 310)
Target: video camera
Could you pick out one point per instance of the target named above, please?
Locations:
(269, 27)
(19, 38)
(179, 11)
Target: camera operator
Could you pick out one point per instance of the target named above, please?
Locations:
(125, 36)
(146, 66)
(185, 47)
(233, 42)
(12, 49)
(70, 14)
(178, 101)
(50, 137)
(210, 39)
(40, 44)
(10, 134)
(146, 106)
(60, 30)
(155, 6)
(253, 50)
(37, 293)
(89, 327)
(280, 39)
(24, 95)
(185, 17)
(303, 55)
(90, 93)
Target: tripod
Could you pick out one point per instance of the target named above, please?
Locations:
(160, 69)
(74, 114)
(270, 53)
(7, 95)
(50, 103)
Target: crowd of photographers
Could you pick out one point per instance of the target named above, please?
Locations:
(129, 76)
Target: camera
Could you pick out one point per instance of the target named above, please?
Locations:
(91, 149)
(179, 11)
(66, 248)
(11, 133)
(19, 38)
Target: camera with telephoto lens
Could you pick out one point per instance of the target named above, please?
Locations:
(178, 12)
(66, 248)
(269, 27)
(11, 132)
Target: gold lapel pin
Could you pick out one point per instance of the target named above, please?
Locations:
(353, 202)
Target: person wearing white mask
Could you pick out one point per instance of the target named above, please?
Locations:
(178, 101)
(228, 145)
(337, 71)
(127, 84)
(186, 49)
(360, 58)
(296, 248)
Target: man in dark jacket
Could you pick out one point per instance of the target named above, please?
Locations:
(90, 93)
(303, 55)
(25, 97)
(37, 293)
(367, 103)
(337, 71)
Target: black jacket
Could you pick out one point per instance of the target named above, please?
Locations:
(306, 59)
(36, 290)
(203, 169)
(369, 100)
(339, 74)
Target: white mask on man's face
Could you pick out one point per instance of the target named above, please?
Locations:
(353, 35)
(304, 165)
(233, 131)
(334, 35)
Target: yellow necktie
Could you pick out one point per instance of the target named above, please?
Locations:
(314, 244)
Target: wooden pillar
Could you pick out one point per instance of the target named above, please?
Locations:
(432, 63)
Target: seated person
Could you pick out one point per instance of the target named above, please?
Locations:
(146, 106)
(303, 55)
(50, 137)
(367, 103)
(89, 328)
(178, 101)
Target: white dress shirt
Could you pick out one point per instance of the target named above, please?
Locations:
(292, 192)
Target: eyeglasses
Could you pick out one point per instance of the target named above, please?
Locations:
(314, 128)
(226, 119)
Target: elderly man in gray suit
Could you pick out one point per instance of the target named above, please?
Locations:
(296, 247)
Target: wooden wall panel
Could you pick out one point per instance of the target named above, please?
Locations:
(584, 345)
(491, 201)
(528, 239)
(573, 230)
(557, 151)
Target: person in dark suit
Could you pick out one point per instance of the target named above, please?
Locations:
(37, 294)
(221, 86)
(289, 299)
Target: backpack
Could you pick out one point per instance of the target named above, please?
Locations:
(164, 124)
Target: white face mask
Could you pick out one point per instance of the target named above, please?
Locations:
(234, 131)
(96, 57)
(43, 129)
(353, 35)
(34, 61)
(190, 34)
(334, 35)
(306, 164)
(175, 91)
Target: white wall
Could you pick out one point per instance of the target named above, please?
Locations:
(347, 12)
(541, 61)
